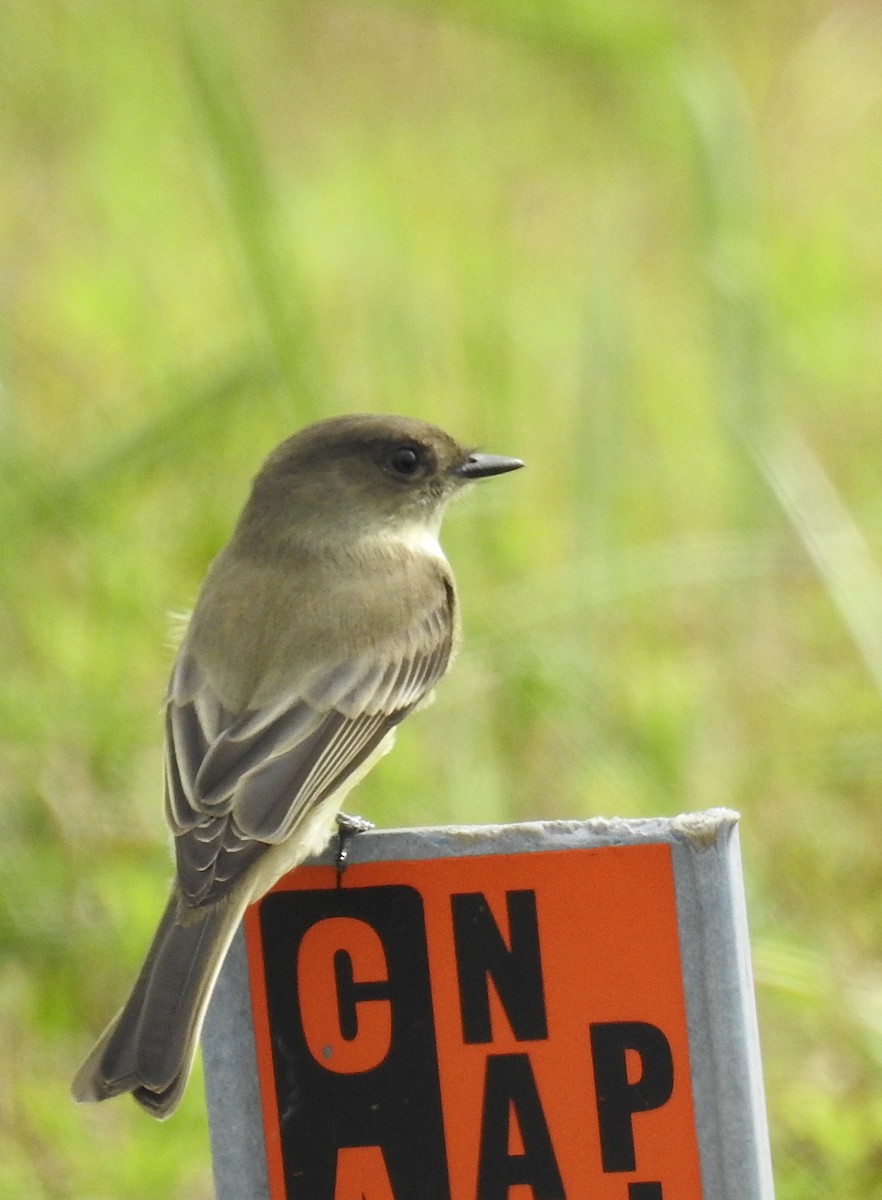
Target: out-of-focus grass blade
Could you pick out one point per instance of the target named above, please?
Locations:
(232, 135)
(831, 536)
(727, 175)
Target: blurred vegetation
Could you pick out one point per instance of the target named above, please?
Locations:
(638, 244)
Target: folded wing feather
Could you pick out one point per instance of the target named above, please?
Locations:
(238, 783)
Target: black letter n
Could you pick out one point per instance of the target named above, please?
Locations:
(515, 967)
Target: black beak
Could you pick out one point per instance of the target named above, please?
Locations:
(479, 466)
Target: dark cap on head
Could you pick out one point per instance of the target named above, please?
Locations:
(371, 468)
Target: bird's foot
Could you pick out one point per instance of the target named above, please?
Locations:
(347, 827)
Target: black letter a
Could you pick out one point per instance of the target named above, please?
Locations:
(510, 1093)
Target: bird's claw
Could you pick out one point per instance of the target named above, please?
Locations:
(347, 827)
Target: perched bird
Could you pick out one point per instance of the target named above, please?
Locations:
(328, 617)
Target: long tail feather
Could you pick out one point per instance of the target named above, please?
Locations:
(149, 1046)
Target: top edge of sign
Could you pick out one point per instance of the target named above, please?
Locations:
(696, 830)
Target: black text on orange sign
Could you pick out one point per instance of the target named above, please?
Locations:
(490, 1028)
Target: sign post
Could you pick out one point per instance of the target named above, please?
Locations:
(554, 1011)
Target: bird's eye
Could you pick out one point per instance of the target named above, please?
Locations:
(406, 460)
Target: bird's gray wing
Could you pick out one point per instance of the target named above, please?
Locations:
(238, 783)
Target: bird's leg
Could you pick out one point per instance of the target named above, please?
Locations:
(347, 827)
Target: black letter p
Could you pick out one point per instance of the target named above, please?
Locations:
(617, 1098)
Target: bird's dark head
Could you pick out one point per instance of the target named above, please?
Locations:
(367, 474)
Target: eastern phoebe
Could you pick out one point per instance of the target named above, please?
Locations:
(328, 617)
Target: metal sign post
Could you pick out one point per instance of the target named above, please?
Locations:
(555, 1011)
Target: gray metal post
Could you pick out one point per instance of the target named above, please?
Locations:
(725, 1065)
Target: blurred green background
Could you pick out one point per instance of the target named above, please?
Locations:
(638, 244)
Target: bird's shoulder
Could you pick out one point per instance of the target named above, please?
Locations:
(257, 623)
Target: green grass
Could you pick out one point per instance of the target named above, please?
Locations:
(636, 244)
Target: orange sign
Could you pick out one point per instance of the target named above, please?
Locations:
(499, 1027)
